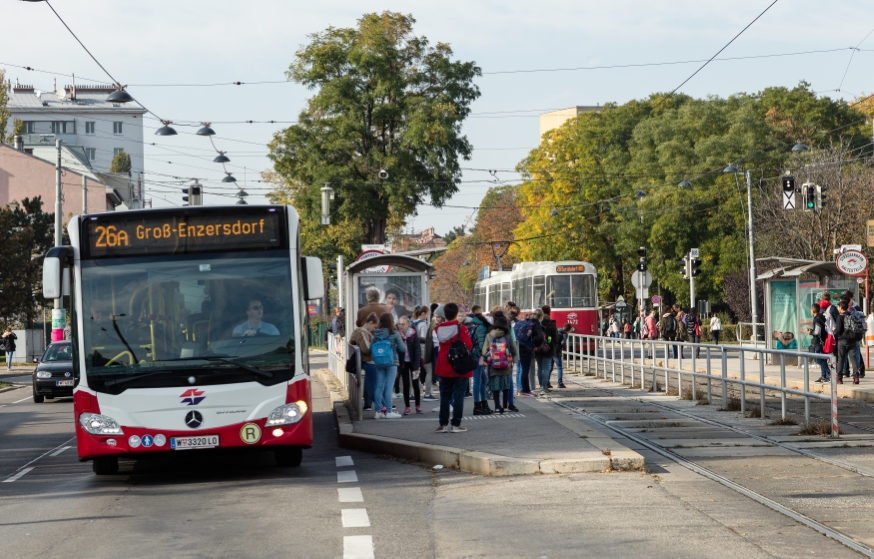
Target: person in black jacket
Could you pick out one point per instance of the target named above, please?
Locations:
(818, 333)
(845, 343)
(410, 363)
(547, 350)
(9, 338)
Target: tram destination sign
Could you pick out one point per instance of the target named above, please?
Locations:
(570, 269)
(152, 233)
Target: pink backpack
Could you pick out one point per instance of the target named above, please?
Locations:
(499, 353)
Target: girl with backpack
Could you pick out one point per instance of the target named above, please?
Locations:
(386, 347)
(693, 329)
(498, 353)
(409, 366)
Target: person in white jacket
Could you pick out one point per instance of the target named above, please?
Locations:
(715, 328)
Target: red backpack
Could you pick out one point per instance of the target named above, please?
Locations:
(499, 353)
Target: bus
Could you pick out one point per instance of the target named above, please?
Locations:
(189, 331)
(570, 288)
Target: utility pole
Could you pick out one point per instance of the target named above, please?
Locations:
(58, 318)
(84, 195)
(754, 304)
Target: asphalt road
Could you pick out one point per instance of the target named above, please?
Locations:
(341, 503)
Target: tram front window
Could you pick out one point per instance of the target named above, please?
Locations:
(571, 291)
(220, 315)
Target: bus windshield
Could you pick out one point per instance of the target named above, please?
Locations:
(227, 314)
(571, 291)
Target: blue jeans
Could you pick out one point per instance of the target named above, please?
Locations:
(823, 363)
(369, 382)
(544, 370)
(556, 359)
(385, 380)
(452, 392)
(9, 359)
(480, 384)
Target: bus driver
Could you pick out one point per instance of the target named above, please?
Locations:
(253, 326)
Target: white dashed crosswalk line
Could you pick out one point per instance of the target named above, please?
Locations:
(347, 476)
(358, 547)
(344, 461)
(17, 476)
(350, 495)
(355, 518)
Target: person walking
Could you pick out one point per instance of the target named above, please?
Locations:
(668, 329)
(545, 351)
(626, 329)
(846, 336)
(477, 327)
(818, 335)
(614, 328)
(362, 337)
(716, 328)
(9, 338)
(498, 354)
(692, 326)
(452, 384)
(410, 365)
(386, 349)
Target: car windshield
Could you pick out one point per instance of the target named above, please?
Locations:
(57, 352)
(178, 313)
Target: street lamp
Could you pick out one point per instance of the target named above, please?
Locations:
(165, 130)
(799, 148)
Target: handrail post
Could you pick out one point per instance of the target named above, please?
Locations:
(613, 358)
(782, 387)
(667, 365)
(622, 360)
(709, 388)
(724, 378)
(743, 377)
(680, 369)
(762, 382)
(806, 390)
(834, 383)
(694, 369)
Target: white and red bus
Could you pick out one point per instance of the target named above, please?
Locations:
(189, 331)
(570, 288)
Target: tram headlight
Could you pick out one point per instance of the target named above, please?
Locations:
(97, 424)
(288, 414)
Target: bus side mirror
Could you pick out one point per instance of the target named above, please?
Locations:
(313, 281)
(52, 271)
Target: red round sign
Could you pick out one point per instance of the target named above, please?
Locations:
(852, 263)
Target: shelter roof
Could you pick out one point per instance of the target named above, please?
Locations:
(399, 260)
(794, 267)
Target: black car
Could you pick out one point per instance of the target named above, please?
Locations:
(53, 376)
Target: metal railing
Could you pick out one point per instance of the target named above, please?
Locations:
(354, 387)
(747, 327)
(337, 354)
(649, 358)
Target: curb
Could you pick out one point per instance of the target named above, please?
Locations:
(9, 388)
(616, 457)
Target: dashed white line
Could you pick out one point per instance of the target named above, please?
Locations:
(60, 450)
(344, 461)
(17, 476)
(350, 495)
(19, 401)
(358, 547)
(355, 518)
(348, 476)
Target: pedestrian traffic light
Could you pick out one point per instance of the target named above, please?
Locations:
(820, 197)
(683, 268)
(809, 196)
(788, 184)
(694, 264)
(187, 197)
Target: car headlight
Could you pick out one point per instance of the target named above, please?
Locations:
(288, 414)
(97, 424)
(43, 374)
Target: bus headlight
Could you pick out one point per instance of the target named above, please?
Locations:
(288, 414)
(97, 424)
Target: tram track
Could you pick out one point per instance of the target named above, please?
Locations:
(698, 468)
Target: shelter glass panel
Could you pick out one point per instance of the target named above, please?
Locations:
(400, 293)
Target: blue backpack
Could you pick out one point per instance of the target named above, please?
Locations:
(382, 353)
(524, 331)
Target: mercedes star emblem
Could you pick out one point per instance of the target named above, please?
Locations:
(193, 419)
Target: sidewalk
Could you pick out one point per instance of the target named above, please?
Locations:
(541, 438)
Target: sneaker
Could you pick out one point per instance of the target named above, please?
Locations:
(368, 408)
(840, 379)
(419, 409)
(443, 429)
(548, 385)
(855, 380)
(397, 396)
(406, 411)
(821, 379)
(527, 394)
(561, 385)
(379, 415)
(458, 429)
(512, 408)
(468, 395)
(429, 398)
(392, 415)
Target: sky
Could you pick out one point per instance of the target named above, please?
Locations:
(146, 44)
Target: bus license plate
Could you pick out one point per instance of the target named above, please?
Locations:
(183, 443)
(64, 383)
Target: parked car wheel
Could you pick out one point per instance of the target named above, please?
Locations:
(37, 399)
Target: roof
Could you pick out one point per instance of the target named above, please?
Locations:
(36, 101)
(400, 260)
(71, 160)
(793, 267)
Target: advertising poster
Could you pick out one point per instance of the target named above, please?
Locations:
(784, 319)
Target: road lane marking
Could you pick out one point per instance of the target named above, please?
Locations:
(17, 476)
(60, 450)
(350, 495)
(23, 399)
(355, 518)
(344, 461)
(46, 452)
(358, 547)
(348, 476)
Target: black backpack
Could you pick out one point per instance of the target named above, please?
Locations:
(460, 358)
(854, 327)
(669, 324)
(690, 325)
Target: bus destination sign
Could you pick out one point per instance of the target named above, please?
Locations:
(172, 233)
(575, 269)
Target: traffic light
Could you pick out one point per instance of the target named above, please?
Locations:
(694, 264)
(187, 197)
(683, 268)
(641, 266)
(808, 191)
(788, 184)
(196, 196)
(820, 197)
(332, 270)
(641, 252)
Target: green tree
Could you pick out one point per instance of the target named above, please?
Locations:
(454, 233)
(120, 163)
(17, 130)
(386, 100)
(5, 113)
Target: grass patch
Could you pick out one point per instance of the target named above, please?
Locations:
(589, 374)
(702, 400)
(733, 404)
(672, 392)
(5, 385)
(606, 452)
(819, 428)
(686, 394)
(755, 412)
(788, 421)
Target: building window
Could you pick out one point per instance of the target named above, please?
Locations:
(116, 151)
(92, 153)
(56, 127)
(30, 128)
(89, 127)
(116, 128)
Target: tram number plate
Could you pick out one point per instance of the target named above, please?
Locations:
(64, 383)
(183, 443)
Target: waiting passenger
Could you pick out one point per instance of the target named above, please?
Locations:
(254, 326)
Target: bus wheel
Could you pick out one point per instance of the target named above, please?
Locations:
(105, 466)
(289, 456)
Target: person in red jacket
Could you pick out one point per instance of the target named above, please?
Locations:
(452, 385)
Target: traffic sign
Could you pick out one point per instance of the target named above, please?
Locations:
(636, 280)
(694, 253)
(620, 304)
(789, 200)
(852, 263)
(656, 299)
